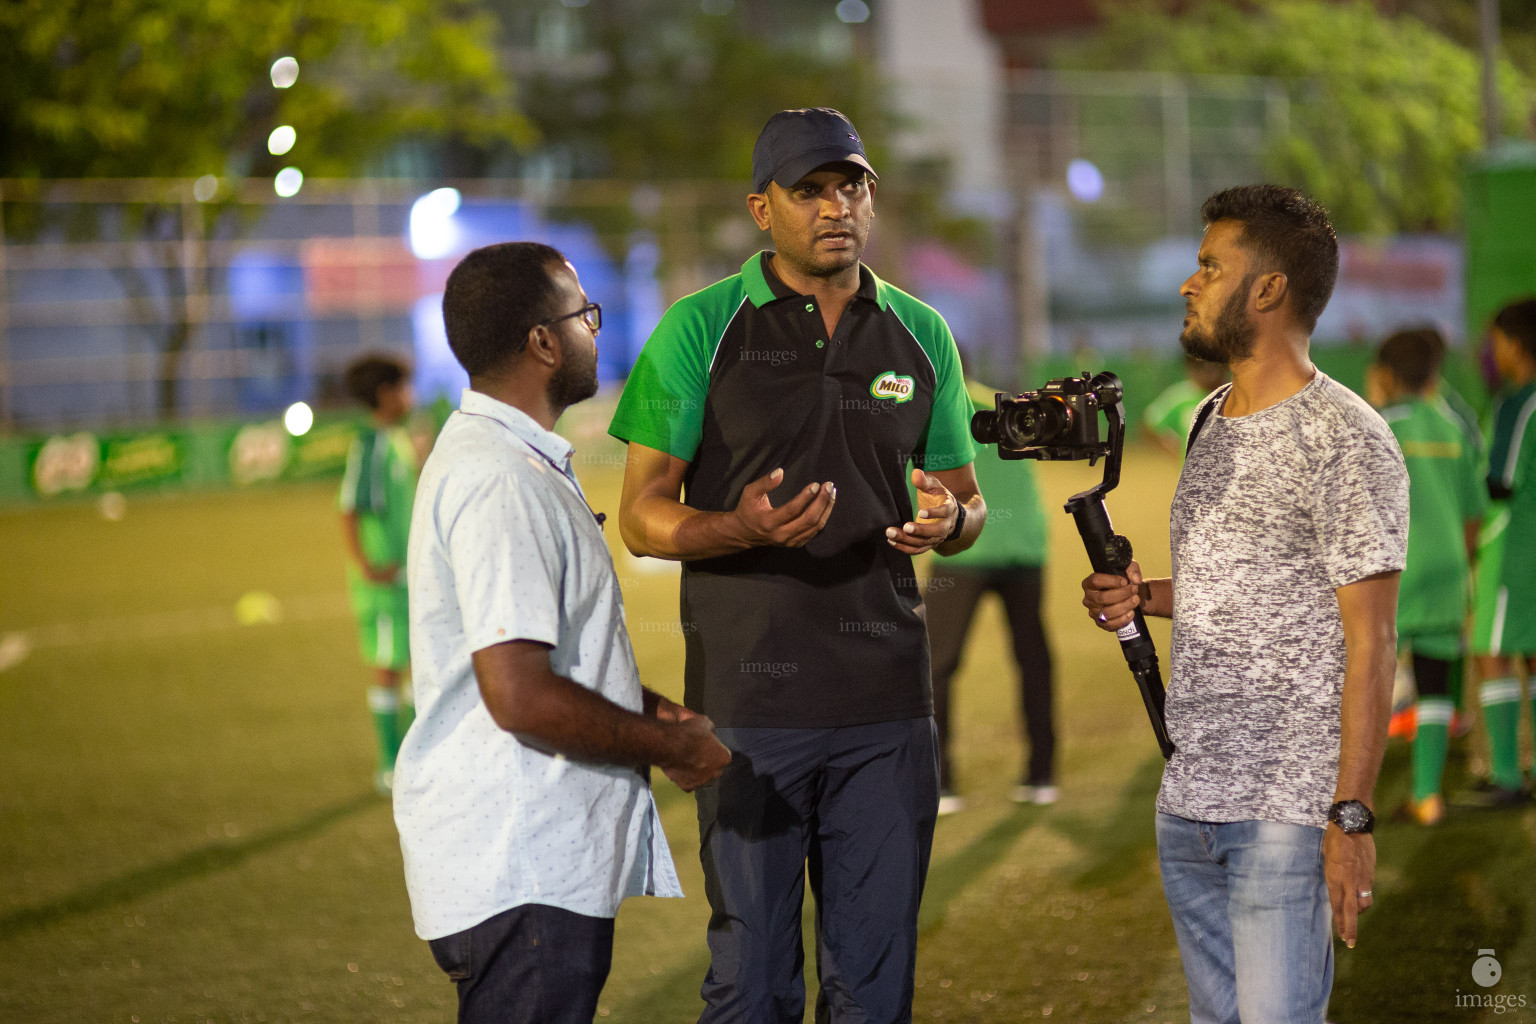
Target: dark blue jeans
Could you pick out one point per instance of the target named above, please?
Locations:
(529, 965)
(854, 809)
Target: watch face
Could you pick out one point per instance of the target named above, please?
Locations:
(1352, 816)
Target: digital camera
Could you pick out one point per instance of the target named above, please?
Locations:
(1059, 421)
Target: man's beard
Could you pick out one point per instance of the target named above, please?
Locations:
(576, 380)
(1231, 338)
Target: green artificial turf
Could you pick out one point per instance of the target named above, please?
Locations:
(188, 831)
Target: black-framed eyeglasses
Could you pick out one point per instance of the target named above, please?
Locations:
(591, 314)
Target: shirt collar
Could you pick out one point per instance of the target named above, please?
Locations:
(764, 286)
(548, 444)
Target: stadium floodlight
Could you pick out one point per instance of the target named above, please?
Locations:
(282, 139)
(433, 233)
(288, 182)
(852, 12)
(285, 71)
(298, 418)
(205, 188)
(1085, 181)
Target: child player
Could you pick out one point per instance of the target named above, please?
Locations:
(1445, 498)
(376, 496)
(1504, 614)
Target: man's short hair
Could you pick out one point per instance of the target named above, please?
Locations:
(1518, 321)
(366, 374)
(495, 296)
(1285, 231)
(1413, 356)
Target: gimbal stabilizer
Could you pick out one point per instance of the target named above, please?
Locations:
(1060, 421)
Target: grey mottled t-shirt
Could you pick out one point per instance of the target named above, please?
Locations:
(1273, 511)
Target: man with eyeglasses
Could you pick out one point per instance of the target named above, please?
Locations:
(522, 792)
(771, 419)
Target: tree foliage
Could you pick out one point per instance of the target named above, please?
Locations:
(683, 95)
(146, 88)
(1385, 111)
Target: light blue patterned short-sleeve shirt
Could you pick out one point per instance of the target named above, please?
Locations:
(504, 547)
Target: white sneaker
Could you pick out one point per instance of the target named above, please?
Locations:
(1040, 796)
(949, 803)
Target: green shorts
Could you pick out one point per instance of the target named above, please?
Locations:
(1503, 607)
(383, 624)
(1440, 644)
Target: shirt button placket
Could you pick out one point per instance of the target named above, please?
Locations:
(810, 308)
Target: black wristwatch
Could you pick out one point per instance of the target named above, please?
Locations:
(1352, 817)
(959, 521)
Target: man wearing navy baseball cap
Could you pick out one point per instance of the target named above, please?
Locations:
(774, 421)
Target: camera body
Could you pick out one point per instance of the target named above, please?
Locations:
(1060, 421)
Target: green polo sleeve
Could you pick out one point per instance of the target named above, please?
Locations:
(946, 442)
(662, 406)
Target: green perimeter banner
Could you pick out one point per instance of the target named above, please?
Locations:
(86, 462)
(50, 467)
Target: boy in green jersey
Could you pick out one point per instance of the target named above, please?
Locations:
(1168, 419)
(1504, 617)
(376, 497)
(1446, 505)
(1007, 560)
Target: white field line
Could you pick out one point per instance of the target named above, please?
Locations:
(16, 645)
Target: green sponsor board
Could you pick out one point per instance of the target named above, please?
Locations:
(83, 462)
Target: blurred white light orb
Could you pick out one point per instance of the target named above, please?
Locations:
(282, 139)
(852, 12)
(433, 232)
(298, 418)
(205, 188)
(1085, 181)
(285, 71)
(288, 182)
(113, 506)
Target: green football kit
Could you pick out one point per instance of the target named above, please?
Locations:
(1505, 617)
(1504, 610)
(379, 487)
(1445, 492)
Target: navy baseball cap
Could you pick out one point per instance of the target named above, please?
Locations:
(795, 142)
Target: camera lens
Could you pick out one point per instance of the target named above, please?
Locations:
(1040, 421)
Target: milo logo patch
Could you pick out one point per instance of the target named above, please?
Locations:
(892, 385)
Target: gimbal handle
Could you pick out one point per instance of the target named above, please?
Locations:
(1110, 553)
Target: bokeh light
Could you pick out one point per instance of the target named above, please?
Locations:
(282, 139)
(1085, 181)
(205, 188)
(285, 71)
(853, 12)
(433, 232)
(288, 182)
(298, 418)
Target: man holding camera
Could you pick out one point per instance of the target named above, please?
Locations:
(770, 420)
(1289, 530)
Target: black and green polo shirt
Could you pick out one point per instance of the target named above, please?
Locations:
(742, 378)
